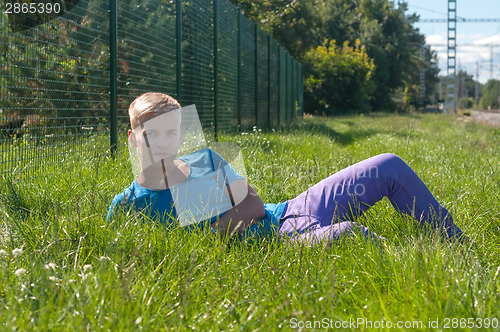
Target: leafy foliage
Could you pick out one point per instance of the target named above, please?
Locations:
(55, 71)
(268, 13)
(339, 78)
(426, 61)
(491, 93)
(386, 32)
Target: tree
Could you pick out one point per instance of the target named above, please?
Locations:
(339, 78)
(54, 70)
(385, 31)
(490, 99)
(393, 43)
(466, 90)
(426, 61)
(267, 13)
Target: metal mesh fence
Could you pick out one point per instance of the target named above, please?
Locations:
(54, 84)
(273, 83)
(247, 74)
(227, 66)
(146, 51)
(262, 79)
(60, 92)
(198, 58)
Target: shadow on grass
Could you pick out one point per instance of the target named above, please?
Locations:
(343, 138)
(319, 126)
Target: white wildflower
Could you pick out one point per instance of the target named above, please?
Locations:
(55, 279)
(17, 252)
(3, 253)
(84, 276)
(51, 266)
(87, 267)
(20, 272)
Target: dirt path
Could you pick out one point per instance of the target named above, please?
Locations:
(491, 118)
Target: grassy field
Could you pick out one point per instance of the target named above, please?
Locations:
(63, 268)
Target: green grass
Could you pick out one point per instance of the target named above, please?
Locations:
(83, 274)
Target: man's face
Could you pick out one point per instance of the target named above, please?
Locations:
(157, 137)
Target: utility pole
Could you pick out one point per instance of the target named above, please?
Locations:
(451, 87)
(441, 90)
(422, 77)
(498, 96)
(476, 94)
(491, 62)
(464, 91)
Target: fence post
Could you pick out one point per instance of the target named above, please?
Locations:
(216, 80)
(298, 78)
(301, 90)
(287, 78)
(238, 73)
(290, 95)
(279, 84)
(290, 88)
(113, 121)
(256, 71)
(178, 44)
(294, 85)
(269, 81)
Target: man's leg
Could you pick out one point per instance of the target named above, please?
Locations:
(347, 194)
(315, 234)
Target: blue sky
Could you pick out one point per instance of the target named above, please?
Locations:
(468, 57)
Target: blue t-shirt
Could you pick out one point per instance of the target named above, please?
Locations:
(159, 204)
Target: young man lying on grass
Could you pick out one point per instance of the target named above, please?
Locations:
(325, 212)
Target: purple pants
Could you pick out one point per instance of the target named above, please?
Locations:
(328, 210)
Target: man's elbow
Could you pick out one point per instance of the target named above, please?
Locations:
(259, 210)
(261, 213)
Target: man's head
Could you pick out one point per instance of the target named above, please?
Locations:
(155, 119)
(149, 105)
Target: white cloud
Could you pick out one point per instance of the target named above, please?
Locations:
(477, 36)
(468, 57)
(495, 39)
(435, 39)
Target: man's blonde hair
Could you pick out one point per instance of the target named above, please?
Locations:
(151, 103)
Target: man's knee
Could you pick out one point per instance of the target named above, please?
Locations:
(393, 162)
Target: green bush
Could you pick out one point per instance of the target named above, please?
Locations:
(490, 95)
(340, 79)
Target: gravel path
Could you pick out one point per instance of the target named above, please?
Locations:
(491, 118)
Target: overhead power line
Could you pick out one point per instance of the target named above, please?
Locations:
(467, 45)
(428, 10)
(459, 19)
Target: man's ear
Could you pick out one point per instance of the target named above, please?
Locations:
(131, 138)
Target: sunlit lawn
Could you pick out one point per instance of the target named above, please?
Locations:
(63, 268)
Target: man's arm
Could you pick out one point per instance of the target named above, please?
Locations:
(248, 209)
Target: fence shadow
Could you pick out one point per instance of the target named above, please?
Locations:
(317, 128)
